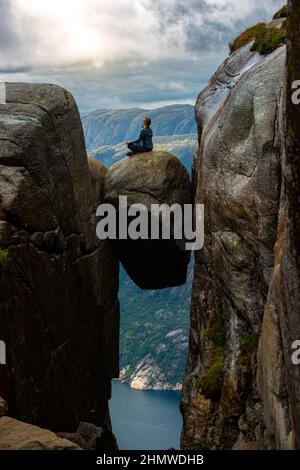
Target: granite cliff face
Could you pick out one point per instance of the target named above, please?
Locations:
(241, 389)
(58, 282)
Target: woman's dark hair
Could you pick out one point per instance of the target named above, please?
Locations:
(148, 121)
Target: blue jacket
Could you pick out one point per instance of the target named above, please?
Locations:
(145, 139)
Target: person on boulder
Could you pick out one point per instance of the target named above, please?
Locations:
(144, 143)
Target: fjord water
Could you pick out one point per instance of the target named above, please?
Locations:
(145, 419)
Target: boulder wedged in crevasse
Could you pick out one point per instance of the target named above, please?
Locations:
(150, 178)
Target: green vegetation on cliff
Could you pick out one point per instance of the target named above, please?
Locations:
(248, 344)
(247, 36)
(216, 331)
(210, 382)
(266, 40)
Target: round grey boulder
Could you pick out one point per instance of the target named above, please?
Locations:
(151, 178)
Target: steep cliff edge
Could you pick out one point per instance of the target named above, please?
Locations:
(237, 175)
(58, 282)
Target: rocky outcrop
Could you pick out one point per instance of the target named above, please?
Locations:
(97, 172)
(282, 13)
(77, 439)
(214, 95)
(148, 375)
(15, 435)
(58, 282)
(237, 175)
(150, 178)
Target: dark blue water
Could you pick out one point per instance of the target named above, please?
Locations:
(145, 420)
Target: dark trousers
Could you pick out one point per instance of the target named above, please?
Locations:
(135, 148)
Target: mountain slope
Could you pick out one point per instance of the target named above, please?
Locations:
(110, 127)
(154, 334)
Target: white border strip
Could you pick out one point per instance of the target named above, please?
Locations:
(2, 92)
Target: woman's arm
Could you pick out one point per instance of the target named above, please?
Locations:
(139, 139)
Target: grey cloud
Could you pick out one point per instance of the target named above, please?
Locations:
(8, 35)
(197, 32)
(14, 69)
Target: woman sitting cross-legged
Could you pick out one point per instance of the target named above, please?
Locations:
(144, 142)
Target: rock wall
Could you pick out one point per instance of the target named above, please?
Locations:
(16, 435)
(59, 311)
(278, 376)
(241, 388)
(237, 175)
(291, 257)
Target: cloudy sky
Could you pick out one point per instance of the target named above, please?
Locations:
(122, 53)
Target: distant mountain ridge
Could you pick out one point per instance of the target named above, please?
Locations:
(110, 127)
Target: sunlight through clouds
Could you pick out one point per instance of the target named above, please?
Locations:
(112, 53)
(68, 31)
